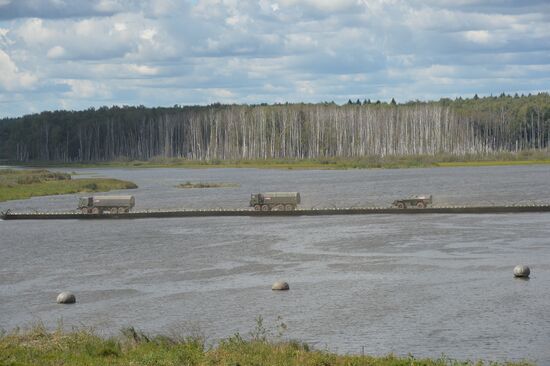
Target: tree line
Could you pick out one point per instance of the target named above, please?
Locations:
(456, 127)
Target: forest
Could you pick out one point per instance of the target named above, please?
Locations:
(454, 127)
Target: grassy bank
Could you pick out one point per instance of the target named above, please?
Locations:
(21, 184)
(370, 162)
(82, 347)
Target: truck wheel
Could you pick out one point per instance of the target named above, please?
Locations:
(114, 210)
(279, 208)
(95, 210)
(421, 205)
(257, 207)
(121, 210)
(289, 207)
(265, 208)
(401, 205)
(84, 210)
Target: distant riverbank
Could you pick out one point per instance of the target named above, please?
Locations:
(373, 162)
(27, 183)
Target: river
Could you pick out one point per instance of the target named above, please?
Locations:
(422, 284)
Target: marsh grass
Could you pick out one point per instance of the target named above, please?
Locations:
(25, 183)
(38, 346)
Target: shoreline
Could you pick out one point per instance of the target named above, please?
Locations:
(306, 164)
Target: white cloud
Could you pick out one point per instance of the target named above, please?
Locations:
(209, 9)
(323, 5)
(479, 36)
(120, 27)
(300, 42)
(169, 51)
(33, 32)
(439, 74)
(148, 34)
(163, 7)
(143, 70)
(237, 20)
(108, 6)
(305, 87)
(61, 9)
(86, 89)
(222, 93)
(270, 88)
(56, 52)
(5, 40)
(11, 78)
(120, 36)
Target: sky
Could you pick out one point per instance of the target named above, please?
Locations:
(77, 54)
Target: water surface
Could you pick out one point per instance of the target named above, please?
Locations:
(421, 284)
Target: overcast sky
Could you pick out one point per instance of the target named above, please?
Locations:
(74, 54)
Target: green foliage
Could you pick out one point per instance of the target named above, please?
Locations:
(490, 125)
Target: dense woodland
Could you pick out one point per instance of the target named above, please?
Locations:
(220, 132)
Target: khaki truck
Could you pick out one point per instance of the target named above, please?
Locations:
(415, 201)
(275, 201)
(103, 204)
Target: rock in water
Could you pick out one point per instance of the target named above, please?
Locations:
(521, 271)
(280, 285)
(66, 298)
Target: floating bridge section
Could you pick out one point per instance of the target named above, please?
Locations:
(300, 212)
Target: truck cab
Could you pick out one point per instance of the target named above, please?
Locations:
(256, 199)
(85, 202)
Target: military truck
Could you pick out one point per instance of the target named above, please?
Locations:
(415, 201)
(276, 201)
(103, 204)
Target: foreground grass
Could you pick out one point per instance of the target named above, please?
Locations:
(21, 184)
(82, 347)
(369, 162)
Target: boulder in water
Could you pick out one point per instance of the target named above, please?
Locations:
(66, 298)
(521, 271)
(280, 286)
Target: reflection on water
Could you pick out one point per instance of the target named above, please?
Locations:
(426, 284)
